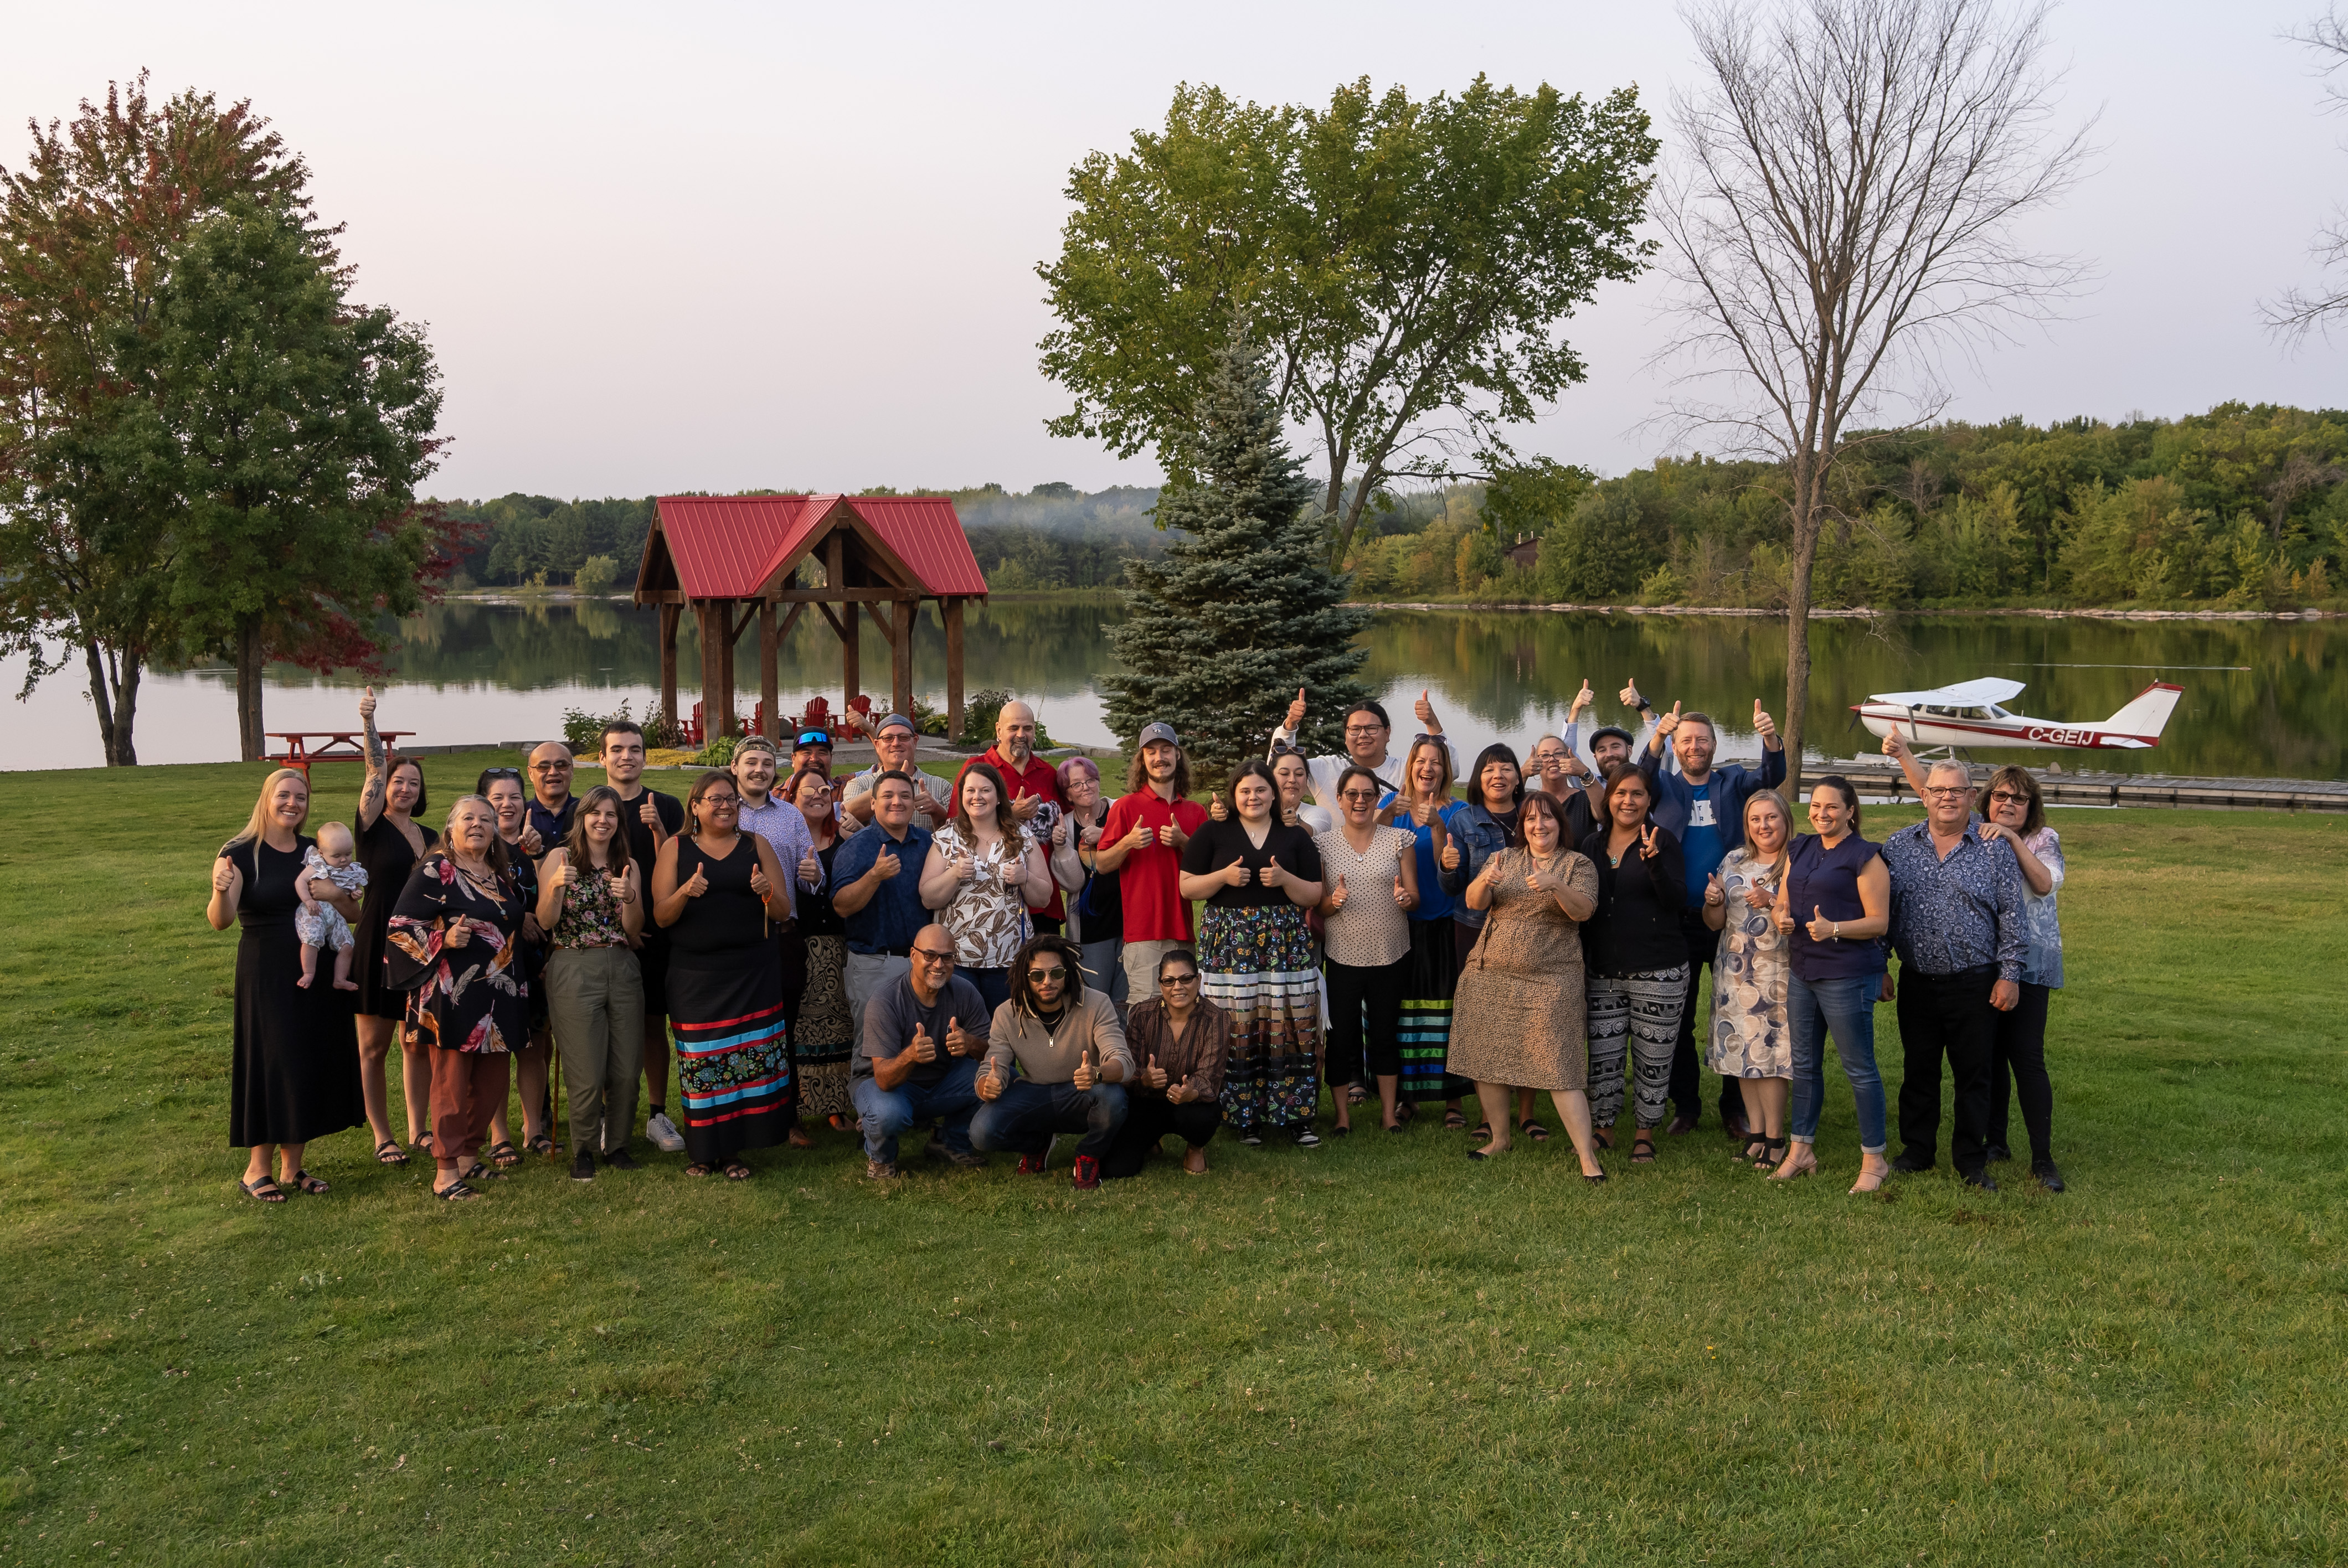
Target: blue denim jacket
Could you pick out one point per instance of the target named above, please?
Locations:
(1481, 837)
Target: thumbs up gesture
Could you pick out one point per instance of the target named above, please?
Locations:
(459, 932)
(366, 704)
(1403, 897)
(1821, 928)
(1337, 893)
(697, 884)
(1715, 895)
(530, 843)
(1629, 695)
(1177, 1093)
(1424, 711)
(1295, 712)
(1763, 724)
(1670, 723)
(1449, 858)
(1581, 699)
(811, 868)
(1273, 875)
(1758, 894)
(627, 888)
(648, 813)
(921, 1048)
(990, 1083)
(1216, 809)
(564, 877)
(960, 1041)
(1236, 874)
(1084, 1076)
(224, 874)
(1154, 1075)
(885, 864)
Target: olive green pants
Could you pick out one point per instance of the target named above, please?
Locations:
(595, 998)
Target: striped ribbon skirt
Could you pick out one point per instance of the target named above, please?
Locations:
(1256, 962)
(733, 1052)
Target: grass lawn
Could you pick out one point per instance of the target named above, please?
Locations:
(1373, 1351)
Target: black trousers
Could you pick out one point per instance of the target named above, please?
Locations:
(1688, 1080)
(1148, 1116)
(2017, 1066)
(1354, 989)
(1946, 1016)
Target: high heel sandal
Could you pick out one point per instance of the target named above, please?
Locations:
(1871, 1180)
(1755, 1151)
(1773, 1150)
(1800, 1162)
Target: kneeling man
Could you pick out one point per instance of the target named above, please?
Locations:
(1072, 1061)
(918, 1057)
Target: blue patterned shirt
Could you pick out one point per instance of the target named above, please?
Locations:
(1959, 913)
(781, 824)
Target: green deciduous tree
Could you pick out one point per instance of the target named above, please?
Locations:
(1243, 608)
(87, 227)
(1406, 263)
(289, 427)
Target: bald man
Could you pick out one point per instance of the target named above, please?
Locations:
(552, 804)
(916, 1058)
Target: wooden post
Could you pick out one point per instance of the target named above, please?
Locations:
(770, 644)
(900, 656)
(727, 626)
(711, 618)
(851, 677)
(952, 609)
(670, 614)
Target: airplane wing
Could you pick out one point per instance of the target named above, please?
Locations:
(1976, 693)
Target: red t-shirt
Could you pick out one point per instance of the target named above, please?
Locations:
(1038, 777)
(1149, 883)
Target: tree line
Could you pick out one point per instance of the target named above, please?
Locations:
(2243, 507)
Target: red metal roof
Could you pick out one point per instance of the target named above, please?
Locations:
(730, 546)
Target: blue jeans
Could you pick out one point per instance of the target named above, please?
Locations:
(1846, 1009)
(886, 1112)
(1027, 1115)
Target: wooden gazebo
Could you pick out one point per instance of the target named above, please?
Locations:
(729, 557)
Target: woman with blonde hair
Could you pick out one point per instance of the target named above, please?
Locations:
(1751, 1043)
(294, 1078)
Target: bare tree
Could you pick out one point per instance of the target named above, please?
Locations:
(2297, 313)
(1842, 214)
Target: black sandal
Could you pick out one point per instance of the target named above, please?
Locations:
(1772, 1151)
(273, 1195)
(454, 1193)
(503, 1154)
(542, 1144)
(1531, 1128)
(1604, 1136)
(311, 1184)
(1756, 1150)
(480, 1173)
(1643, 1148)
(423, 1141)
(1483, 1130)
(1452, 1119)
(396, 1157)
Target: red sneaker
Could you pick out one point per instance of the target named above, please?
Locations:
(1033, 1165)
(1087, 1172)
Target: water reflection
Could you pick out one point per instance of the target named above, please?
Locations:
(2261, 697)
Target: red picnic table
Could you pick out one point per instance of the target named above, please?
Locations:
(330, 745)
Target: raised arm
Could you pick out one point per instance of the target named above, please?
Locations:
(371, 791)
(1913, 771)
(553, 879)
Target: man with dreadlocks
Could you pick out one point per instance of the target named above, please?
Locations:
(1072, 1059)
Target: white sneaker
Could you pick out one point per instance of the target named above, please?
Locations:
(663, 1133)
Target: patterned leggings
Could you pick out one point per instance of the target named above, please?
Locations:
(1640, 1013)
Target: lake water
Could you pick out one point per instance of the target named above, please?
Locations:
(2261, 698)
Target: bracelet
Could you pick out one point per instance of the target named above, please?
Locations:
(1834, 930)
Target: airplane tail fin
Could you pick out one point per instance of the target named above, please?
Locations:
(2147, 714)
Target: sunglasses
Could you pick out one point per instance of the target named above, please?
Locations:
(933, 956)
(1370, 796)
(1187, 980)
(548, 768)
(1056, 972)
(513, 774)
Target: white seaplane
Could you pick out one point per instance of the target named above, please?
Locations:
(1968, 714)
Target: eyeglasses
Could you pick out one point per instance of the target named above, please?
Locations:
(2007, 794)
(713, 798)
(1947, 791)
(1369, 795)
(1366, 729)
(548, 768)
(933, 956)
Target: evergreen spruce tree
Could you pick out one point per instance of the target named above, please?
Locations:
(1243, 610)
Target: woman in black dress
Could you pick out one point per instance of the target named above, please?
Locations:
(390, 842)
(825, 1035)
(294, 1078)
(718, 891)
(455, 950)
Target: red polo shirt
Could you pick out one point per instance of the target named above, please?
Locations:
(1149, 883)
(1038, 777)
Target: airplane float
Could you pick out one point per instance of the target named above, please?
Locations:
(1968, 714)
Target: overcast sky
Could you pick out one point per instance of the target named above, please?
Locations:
(717, 247)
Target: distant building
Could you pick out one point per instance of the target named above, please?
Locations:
(1525, 552)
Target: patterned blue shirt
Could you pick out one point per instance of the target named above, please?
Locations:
(1959, 913)
(781, 824)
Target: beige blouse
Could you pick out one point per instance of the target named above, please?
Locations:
(1372, 930)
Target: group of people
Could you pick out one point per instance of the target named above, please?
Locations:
(1010, 956)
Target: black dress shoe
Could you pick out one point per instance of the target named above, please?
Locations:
(2049, 1175)
(1980, 1179)
(1911, 1163)
(1999, 1152)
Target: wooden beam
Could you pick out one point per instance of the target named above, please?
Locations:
(828, 596)
(670, 614)
(789, 621)
(712, 663)
(837, 628)
(750, 607)
(952, 613)
(900, 658)
(769, 674)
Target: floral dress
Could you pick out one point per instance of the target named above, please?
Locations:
(468, 998)
(988, 919)
(1749, 1037)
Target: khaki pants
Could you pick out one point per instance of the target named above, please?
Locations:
(595, 998)
(1141, 960)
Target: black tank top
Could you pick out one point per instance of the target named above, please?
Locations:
(728, 916)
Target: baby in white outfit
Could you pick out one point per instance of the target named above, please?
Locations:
(333, 857)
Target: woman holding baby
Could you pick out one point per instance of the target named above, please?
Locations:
(296, 1077)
